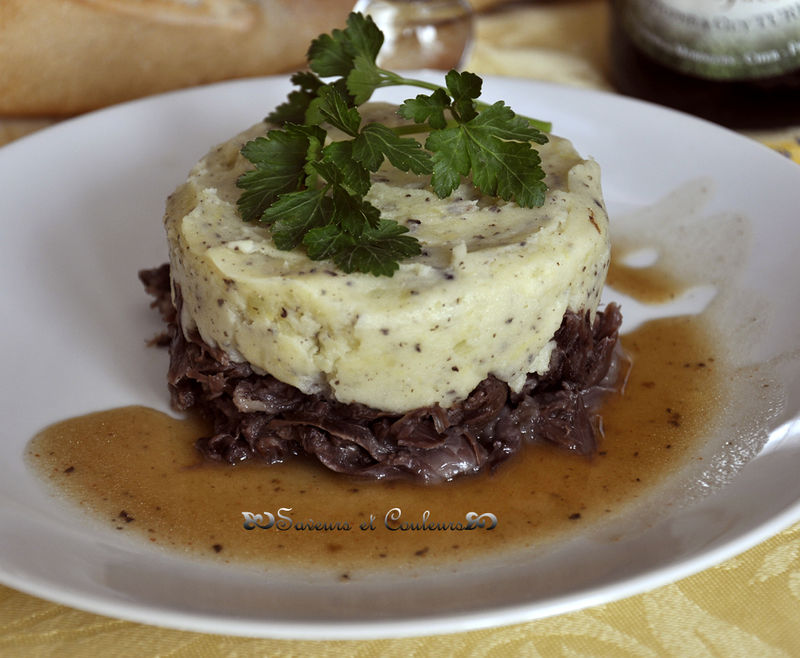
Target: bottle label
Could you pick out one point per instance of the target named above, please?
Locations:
(716, 39)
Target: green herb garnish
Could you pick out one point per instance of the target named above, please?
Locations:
(312, 193)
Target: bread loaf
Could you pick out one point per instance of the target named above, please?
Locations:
(63, 57)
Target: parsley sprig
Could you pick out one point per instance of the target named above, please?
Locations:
(311, 191)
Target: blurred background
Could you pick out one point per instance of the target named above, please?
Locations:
(59, 58)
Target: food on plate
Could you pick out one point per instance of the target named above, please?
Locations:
(397, 291)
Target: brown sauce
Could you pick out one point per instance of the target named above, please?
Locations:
(136, 469)
(650, 285)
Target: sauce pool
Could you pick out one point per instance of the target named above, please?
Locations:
(136, 470)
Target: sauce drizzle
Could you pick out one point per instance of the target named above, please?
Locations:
(136, 469)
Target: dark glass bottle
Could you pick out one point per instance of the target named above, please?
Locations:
(735, 62)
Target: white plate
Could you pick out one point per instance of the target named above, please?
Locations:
(81, 210)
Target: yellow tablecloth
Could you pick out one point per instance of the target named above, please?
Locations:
(748, 606)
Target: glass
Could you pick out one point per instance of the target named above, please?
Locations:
(421, 34)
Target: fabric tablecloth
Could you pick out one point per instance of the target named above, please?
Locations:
(748, 606)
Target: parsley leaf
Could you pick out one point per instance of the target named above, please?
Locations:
(376, 252)
(353, 214)
(328, 55)
(428, 108)
(364, 79)
(464, 88)
(296, 213)
(326, 242)
(379, 250)
(376, 141)
(280, 160)
(504, 124)
(497, 150)
(451, 161)
(334, 106)
(334, 54)
(297, 103)
(364, 37)
(311, 189)
(341, 167)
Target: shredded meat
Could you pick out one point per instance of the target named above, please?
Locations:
(258, 417)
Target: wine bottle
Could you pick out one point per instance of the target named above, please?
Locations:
(735, 62)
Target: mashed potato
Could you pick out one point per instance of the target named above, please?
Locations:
(484, 298)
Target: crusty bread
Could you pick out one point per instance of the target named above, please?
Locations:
(63, 57)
